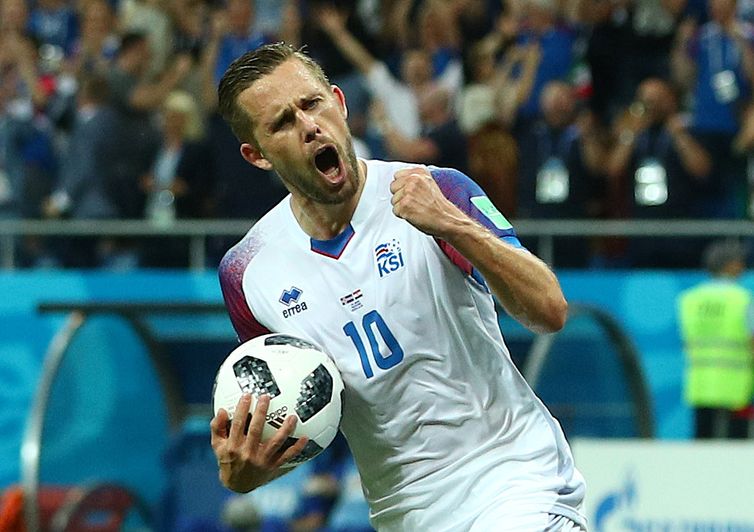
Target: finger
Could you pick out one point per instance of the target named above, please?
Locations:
(397, 196)
(239, 419)
(399, 181)
(276, 443)
(256, 427)
(292, 452)
(219, 427)
(405, 172)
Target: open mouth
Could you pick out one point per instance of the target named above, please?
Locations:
(327, 161)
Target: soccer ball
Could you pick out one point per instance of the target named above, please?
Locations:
(299, 378)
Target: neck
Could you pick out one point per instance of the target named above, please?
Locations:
(324, 221)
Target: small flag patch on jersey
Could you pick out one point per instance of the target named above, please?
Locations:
(486, 207)
(352, 299)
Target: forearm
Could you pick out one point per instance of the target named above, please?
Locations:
(207, 75)
(524, 285)
(148, 96)
(620, 157)
(593, 153)
(694, 158)
(353, 50)
(420, 150)
(682, 68)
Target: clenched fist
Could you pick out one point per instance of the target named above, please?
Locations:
(418, 199)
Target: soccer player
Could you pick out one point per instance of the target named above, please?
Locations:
(391, 267)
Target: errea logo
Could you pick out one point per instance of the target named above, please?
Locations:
(290, 298)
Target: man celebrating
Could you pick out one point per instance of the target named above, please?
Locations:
(446, 433)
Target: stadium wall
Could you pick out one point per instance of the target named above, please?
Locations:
(109, 382)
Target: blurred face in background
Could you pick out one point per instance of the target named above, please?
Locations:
(240, 16)
(657, 99)
(98, 18)
(417, 68)
(481, 63)
(722, 11)
(540, 15)
(13, 16)
(437, 26)
(140, 56)
(558, 104)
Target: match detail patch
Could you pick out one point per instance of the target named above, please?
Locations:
(486, 207)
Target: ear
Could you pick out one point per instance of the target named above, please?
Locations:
(253, 155)
(341, 99)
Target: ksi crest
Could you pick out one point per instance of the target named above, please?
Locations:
(388, 257)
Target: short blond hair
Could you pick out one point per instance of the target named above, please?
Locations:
(184, 103)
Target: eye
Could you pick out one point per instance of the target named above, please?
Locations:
(281, 123)
(311, 103)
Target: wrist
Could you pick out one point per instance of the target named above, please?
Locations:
(461, 231)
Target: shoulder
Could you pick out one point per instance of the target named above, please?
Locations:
(237, 259)
(469, 197)
(456, 185)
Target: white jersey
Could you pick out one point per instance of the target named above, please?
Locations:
(440, 422)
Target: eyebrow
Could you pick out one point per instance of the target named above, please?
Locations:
(287, 113)
(281, 118)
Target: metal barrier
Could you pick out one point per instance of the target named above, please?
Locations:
(198, 231)
(628, 357)
(78, 313)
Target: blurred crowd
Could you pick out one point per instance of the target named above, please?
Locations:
(609, 109)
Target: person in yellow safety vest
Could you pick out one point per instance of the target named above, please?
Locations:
(717, 331)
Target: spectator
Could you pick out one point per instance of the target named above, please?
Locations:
(170, 195)
(340, 69)
(21, 97)
(609, 34)
(80, 191)
(561, 169)
(150, 18)
(398, 97)
(191, 20)
(493, 161)
(659, 163)
(658, 170)
(232, 31)
(135, 98)
(441, 142)
(539, 27)
(55, 24)
(439, 36)
(486, 84)
(716, 329)
(641, 33)
(717, 64)
(97, 44)
(238, 34)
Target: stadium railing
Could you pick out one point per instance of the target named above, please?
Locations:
(197, 232)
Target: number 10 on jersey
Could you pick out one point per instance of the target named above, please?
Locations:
(369, 323)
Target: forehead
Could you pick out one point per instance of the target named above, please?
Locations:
(287, 84)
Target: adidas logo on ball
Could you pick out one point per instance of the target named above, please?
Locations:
(277, 417)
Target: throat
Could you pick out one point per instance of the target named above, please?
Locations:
(322, 222)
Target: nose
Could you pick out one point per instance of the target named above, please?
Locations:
(310, 127)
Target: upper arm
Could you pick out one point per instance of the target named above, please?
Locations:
(231, 272)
